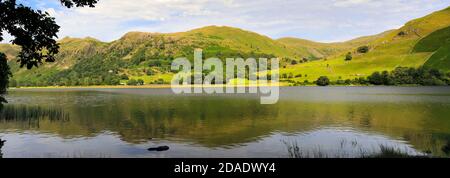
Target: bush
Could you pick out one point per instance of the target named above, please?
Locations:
(323, 81)
(294, 62)
(375, 79)
(291, 75)
(159, 81)
(348, 82)
(363, 49)
(149, 72)
(433, 81)
(378, 78)
(132, 82)
(155, 63)
(340, 82)
(409, 76)
(108, 80)
(140, 82)
(361, 81)
(349, 56)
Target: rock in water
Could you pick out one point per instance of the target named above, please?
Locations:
(161, 148)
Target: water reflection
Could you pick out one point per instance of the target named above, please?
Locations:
(332, 142)
(125, 123)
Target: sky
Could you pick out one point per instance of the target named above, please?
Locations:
(318, 20)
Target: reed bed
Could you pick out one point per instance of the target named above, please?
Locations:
(32, 113)
(295, 151)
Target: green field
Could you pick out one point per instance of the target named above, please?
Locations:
(423, 41)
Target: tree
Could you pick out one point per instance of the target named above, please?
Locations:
(376, 79)
(360, 80)
(407, 76)
(140, 82)
(348, 82)
(323, 81)
(34, 31)
(363, 49)
(349, 56)
(132, 82)
(387, 79)
(291, 75)
(149, 72)
(402, 33)
(294, 62)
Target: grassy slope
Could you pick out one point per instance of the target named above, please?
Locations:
(322, 50)
(228, 41)
(216, 41)
(212, 39)
(246, 41)
(10, 50)
(440, 59)
(71, 51)
(433, 41)
(437, 42)
(387, 52)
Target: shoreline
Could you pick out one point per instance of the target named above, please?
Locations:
(195, 86)
(163, 86)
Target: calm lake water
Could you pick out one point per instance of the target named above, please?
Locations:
(332, 121)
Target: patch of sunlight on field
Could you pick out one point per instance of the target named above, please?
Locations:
(382, 58)
(167, 77)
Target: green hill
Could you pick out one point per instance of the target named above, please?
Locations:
(437, 42)
(143, 55)
(322, 50)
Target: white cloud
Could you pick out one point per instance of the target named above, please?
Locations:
(345, 3)
(323, 20)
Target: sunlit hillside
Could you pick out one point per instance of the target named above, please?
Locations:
(392, 50)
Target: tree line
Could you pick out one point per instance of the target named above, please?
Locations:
(423, 76)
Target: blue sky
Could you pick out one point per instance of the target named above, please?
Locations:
(319, 20)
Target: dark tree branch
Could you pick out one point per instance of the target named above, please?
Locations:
(78, 3)
(35, 32)
(4, 77)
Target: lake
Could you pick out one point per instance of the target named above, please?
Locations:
(317, 121)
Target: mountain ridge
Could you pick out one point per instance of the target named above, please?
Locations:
(147, 55)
